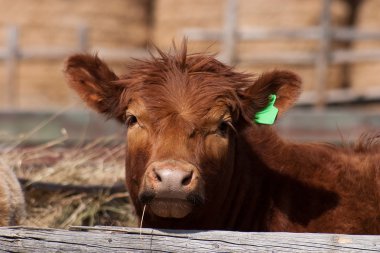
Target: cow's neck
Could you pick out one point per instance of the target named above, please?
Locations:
(296, 160)
(241, 190)
(288, 171)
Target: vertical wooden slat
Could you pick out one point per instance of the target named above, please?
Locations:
(83, 46)
(83, 43)
(11, 82)
(229, 33)
(323, 58)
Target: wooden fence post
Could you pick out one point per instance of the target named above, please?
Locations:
(83, 43)
(324, 57)
(11, 82)
(229, 33)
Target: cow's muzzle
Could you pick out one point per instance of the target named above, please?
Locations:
(171, 188)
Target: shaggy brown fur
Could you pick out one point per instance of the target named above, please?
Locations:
(12, 204)
(192, 111)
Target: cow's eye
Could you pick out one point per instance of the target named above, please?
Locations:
(223, 128)
(131, 120)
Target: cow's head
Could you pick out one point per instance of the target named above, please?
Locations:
(181, 113)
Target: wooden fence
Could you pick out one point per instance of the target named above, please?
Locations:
(120, 239)
(324, 34)
(12, 54)
(298, 124)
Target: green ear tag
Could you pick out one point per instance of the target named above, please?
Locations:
(268, 115)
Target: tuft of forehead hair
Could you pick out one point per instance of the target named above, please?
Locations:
(181, 83)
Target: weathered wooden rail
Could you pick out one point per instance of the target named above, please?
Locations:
(301, 124)
(120, 239)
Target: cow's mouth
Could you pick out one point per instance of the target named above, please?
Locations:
(167, 207)
(170, 208)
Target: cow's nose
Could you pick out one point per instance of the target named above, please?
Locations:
(173, 179)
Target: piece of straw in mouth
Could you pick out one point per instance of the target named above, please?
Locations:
(141, 222)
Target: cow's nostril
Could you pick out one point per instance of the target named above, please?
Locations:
(187, 179)
(157, 176)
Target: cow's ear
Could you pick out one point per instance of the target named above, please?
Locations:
(94, 82)
(271, 94)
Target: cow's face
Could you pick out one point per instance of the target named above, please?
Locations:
(172, 152)
(181, 115)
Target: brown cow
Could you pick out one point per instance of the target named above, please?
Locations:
(12, 203)
(197, 159)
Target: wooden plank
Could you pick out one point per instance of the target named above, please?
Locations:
(262, 34)
(52, 53)
(17, 124)
(117, 239)
(323, 60)
(12, 55)
(44, 126)
(229, 32)
(118, 55)
(294, 58)
(121, 55)
(349, 56)
(341, 96)
(350, 34)
(331, 126)
(259, 34)
(200, 34)
(255, 34)
(83, 43)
